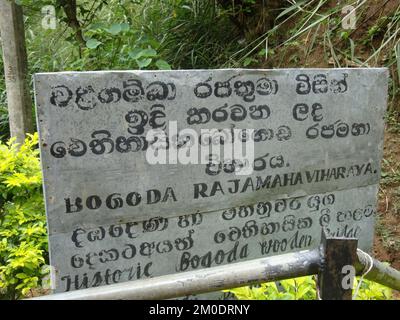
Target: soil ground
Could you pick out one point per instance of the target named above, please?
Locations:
(387, 236)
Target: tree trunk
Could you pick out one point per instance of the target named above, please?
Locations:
(15, 70)
(70, 9)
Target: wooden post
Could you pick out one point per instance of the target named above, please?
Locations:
(336, 253)
(15, 69)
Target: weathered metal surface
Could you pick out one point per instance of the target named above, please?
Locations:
(380, 272)
(200, 281)
(337, 254)
(114, 217)
(286, 266)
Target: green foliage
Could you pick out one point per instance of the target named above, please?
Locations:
(387, 232)
(370, 290)
(191, 33)
(23, 234)
(392, 118)
(4, 130)
(390, 173)
(248, 61)
(120, 47)
(304, 288)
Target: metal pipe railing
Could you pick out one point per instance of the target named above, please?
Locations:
(206, 280)
(380, 272)
(286, 266)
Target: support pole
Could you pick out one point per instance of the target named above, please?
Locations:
(336, 254)
(15, 69)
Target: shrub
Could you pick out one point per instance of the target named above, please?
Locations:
(304, 288)
(23, 234)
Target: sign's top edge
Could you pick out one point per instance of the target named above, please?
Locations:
(205, 70)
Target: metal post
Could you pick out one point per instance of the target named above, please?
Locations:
(336, 253)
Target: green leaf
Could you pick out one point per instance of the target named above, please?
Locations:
(262, 52)
(135, 53)
(143, 62)
(96, 26)
(153, 43)
(21, 276)
(124, 26)
(148, 53)
(163, 65)
(138, 53)
(92, 43)
(248, 61)
(115, 29)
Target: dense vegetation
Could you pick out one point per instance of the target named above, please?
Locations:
(184, 34)
(177, 34)
(304, 288)
(23, 234)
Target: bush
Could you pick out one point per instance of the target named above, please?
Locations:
(23, 234)
(304, 288)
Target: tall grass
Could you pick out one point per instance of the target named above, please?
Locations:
(192, 34)
(200, 34)
(316, 25)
